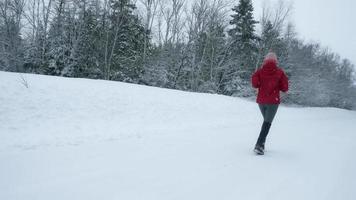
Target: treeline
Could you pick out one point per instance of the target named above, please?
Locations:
(201, 46)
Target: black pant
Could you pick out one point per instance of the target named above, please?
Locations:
(268, 112)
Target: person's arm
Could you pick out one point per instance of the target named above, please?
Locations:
(255, 80)
(283, 84)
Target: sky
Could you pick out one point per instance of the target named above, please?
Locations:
(332, 23)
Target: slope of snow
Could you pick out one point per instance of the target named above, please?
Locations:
(89, 139)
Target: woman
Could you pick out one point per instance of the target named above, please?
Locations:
(269, 80)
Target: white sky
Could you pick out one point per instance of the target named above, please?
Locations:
(330, 22)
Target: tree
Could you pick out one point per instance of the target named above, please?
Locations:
(208, 42)
(59, 44)
(37, 15)
(243, 49)
(151, 11)
(86, 51)
(125, 39)
(274, 23)
(11, 51)
(167, 64)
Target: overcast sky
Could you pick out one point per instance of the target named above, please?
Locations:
(330, 22)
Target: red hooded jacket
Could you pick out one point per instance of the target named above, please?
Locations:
(269, 80)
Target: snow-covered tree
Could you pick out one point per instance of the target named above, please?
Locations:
(243, 49)
(11, 43)
(124, 42)
(86, 54)
(59, 41)
(38, 17)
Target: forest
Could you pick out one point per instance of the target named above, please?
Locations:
(199, 46)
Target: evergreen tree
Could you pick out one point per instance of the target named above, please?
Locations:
(86, 51)
(33, 58)
(127, 42)
(243, 38)
(271, 40)
(243, 49)
(59, 43)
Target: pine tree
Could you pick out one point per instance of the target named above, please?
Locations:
(33, 58)
(59, 48)
(243, 33)
(87, 49)
(124, 58)
(243, 50)
(271, 40)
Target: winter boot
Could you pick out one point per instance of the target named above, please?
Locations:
(259, 150)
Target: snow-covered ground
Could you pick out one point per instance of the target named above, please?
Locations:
(78, 139)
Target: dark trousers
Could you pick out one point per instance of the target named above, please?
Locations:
(268, 112)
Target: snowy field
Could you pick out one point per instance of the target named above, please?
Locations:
(78, 139)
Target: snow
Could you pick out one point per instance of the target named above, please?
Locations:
(64, 138)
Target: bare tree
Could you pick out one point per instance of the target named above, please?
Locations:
(108, 53)
(151, 11)
(167, 15)
(278, 15)
(275, 18)
(38, 15)
(206, 22)
(10, 41)
(172, 13)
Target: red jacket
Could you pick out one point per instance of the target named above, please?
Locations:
(269, 80)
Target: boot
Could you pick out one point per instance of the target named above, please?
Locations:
(259, 149)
